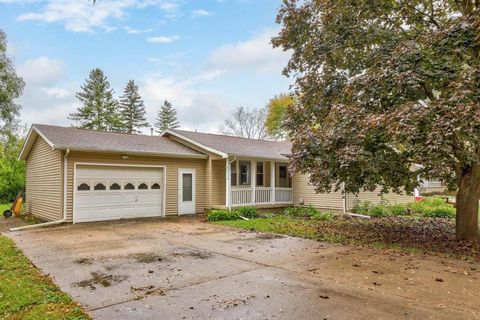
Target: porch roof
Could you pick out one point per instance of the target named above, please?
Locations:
(235, 146)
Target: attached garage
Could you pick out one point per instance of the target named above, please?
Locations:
(110, 192)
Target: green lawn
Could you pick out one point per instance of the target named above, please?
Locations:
(25, 293)
(283, 225)
(4, 207)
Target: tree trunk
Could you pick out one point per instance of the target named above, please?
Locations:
(467, 205)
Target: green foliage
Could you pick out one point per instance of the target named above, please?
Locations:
(11, 87)
(433, 207)
(324, 216)
(99, 110)
(12, 170)
(248, 212)
(382, 85)
(309, 212)
(27, 293)
(167, 118)
(380, 210)
(277, 110)
(399, 210)
(132, 109)
(223, 215)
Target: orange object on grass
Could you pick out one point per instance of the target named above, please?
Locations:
(17, 206)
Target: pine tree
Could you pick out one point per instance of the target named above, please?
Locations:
(99, 110)
(132, 109)
(167, 118)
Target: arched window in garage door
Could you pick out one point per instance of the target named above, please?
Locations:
(83, 187)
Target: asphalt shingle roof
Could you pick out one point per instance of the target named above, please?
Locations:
(240, 147)
(91, 140)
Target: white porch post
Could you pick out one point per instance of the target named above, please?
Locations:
(272, 181)
(253, 181)
(227, 184)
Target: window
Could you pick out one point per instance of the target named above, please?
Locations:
(115, 186)
(100, 186)
(142, 186)
(83, 187)
(283, 177)
(155, 186)
(244, 172)
(259, 173)
(187, 187)
(129, 186)
(233, 173)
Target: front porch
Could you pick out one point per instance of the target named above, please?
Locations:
(251, 182)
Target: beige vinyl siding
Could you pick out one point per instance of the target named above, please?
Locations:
(43, 192)
(303, 190)
(375, 198)
(218, 182)
(172, 166)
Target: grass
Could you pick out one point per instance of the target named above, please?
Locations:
(25, 293)
(284, 225)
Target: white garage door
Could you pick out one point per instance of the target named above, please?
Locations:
(115, 192)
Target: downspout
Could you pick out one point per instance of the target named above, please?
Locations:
(344, 198)
(56, 222)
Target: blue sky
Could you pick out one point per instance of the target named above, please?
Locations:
(206, 56)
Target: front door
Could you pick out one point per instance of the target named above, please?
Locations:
(186, 191)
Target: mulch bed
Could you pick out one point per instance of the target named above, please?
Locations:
(422, 234)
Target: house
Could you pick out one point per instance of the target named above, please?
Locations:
(78, 175)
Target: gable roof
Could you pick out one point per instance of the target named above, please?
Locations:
(224, 145)
(62, 138)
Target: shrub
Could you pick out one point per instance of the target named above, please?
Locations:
(248, 212)
(444, 211)
(432, 207)
(378, 211)
(223, 215)
(323, 216)
(363, 207)
(301, 212)
(398, 209)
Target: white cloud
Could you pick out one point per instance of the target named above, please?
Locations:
(201, 13)
(197, 108)
(255, 54)
(162, 39)
(41, 71)
(83, 16)
(56, 92)
(136, 31)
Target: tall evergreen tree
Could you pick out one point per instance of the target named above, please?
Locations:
(167, 118)
(132, 109)
(100, 110)
(11, 87)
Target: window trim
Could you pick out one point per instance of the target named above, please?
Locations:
(260, 164)
(248, 174)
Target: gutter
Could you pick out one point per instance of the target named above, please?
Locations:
(56, 222)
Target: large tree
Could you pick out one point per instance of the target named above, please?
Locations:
(385, 85)
(166, 118)
(246, 123)
(132, 109)
(11, 87)
(276, 115)
(99, 110)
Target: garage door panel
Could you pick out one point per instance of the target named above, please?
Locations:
(114, 201)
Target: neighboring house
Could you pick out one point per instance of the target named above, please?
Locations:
(80, 175)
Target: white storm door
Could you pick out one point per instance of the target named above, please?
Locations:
(186, 191)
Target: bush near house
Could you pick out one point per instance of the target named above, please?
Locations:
(248, 212)
(431, 207)
(223, 215)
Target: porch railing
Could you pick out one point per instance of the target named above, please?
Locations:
(243, 196)
(283, 195)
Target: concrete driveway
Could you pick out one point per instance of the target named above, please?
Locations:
(188, 269)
